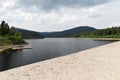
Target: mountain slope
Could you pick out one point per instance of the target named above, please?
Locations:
(70, 32)
(27, 34)
(113, 32)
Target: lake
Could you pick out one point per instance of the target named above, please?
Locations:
(47, 48)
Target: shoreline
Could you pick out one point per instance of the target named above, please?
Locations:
(100, 63)
(6, 48)
(104, 39)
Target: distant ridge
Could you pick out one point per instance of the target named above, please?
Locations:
(27, 34)
(69, 32)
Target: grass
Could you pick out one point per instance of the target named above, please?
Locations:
(5, 42)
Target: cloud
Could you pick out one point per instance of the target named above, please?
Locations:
(49, 5)
(8, 4)
(57, 15)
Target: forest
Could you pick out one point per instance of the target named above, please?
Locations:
(8, 35)
(113, 32)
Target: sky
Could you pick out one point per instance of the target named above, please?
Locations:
(58, 15)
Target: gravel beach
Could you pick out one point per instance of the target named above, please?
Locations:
(100, 63)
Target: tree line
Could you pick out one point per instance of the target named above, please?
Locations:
(113, 32)
(6, 30)
(10, 33)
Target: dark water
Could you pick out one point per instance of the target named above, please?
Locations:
(44, 49)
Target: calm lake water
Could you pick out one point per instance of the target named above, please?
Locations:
(47, 48)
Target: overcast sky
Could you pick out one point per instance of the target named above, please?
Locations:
(57, 15)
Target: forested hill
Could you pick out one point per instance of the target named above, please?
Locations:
(27, 34)
(113, 32)
(69, 32)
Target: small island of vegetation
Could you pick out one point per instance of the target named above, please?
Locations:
(9, 37)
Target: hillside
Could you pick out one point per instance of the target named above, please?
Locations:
(70, 32)
(113, 32)
(27, 34)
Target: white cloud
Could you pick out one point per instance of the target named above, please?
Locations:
(7, 4)
(99, 16)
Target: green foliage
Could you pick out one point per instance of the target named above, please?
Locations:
(12, 31)
(2, 28)
(9, 35)
(5, 41)
(113, 32)
(16, 38)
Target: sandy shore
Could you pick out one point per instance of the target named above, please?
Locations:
(101, 63)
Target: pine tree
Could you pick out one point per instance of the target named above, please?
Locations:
(7, 29)
(12, 31)
(2, 28)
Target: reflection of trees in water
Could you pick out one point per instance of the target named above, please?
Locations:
(5, 61)
(11, 60)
